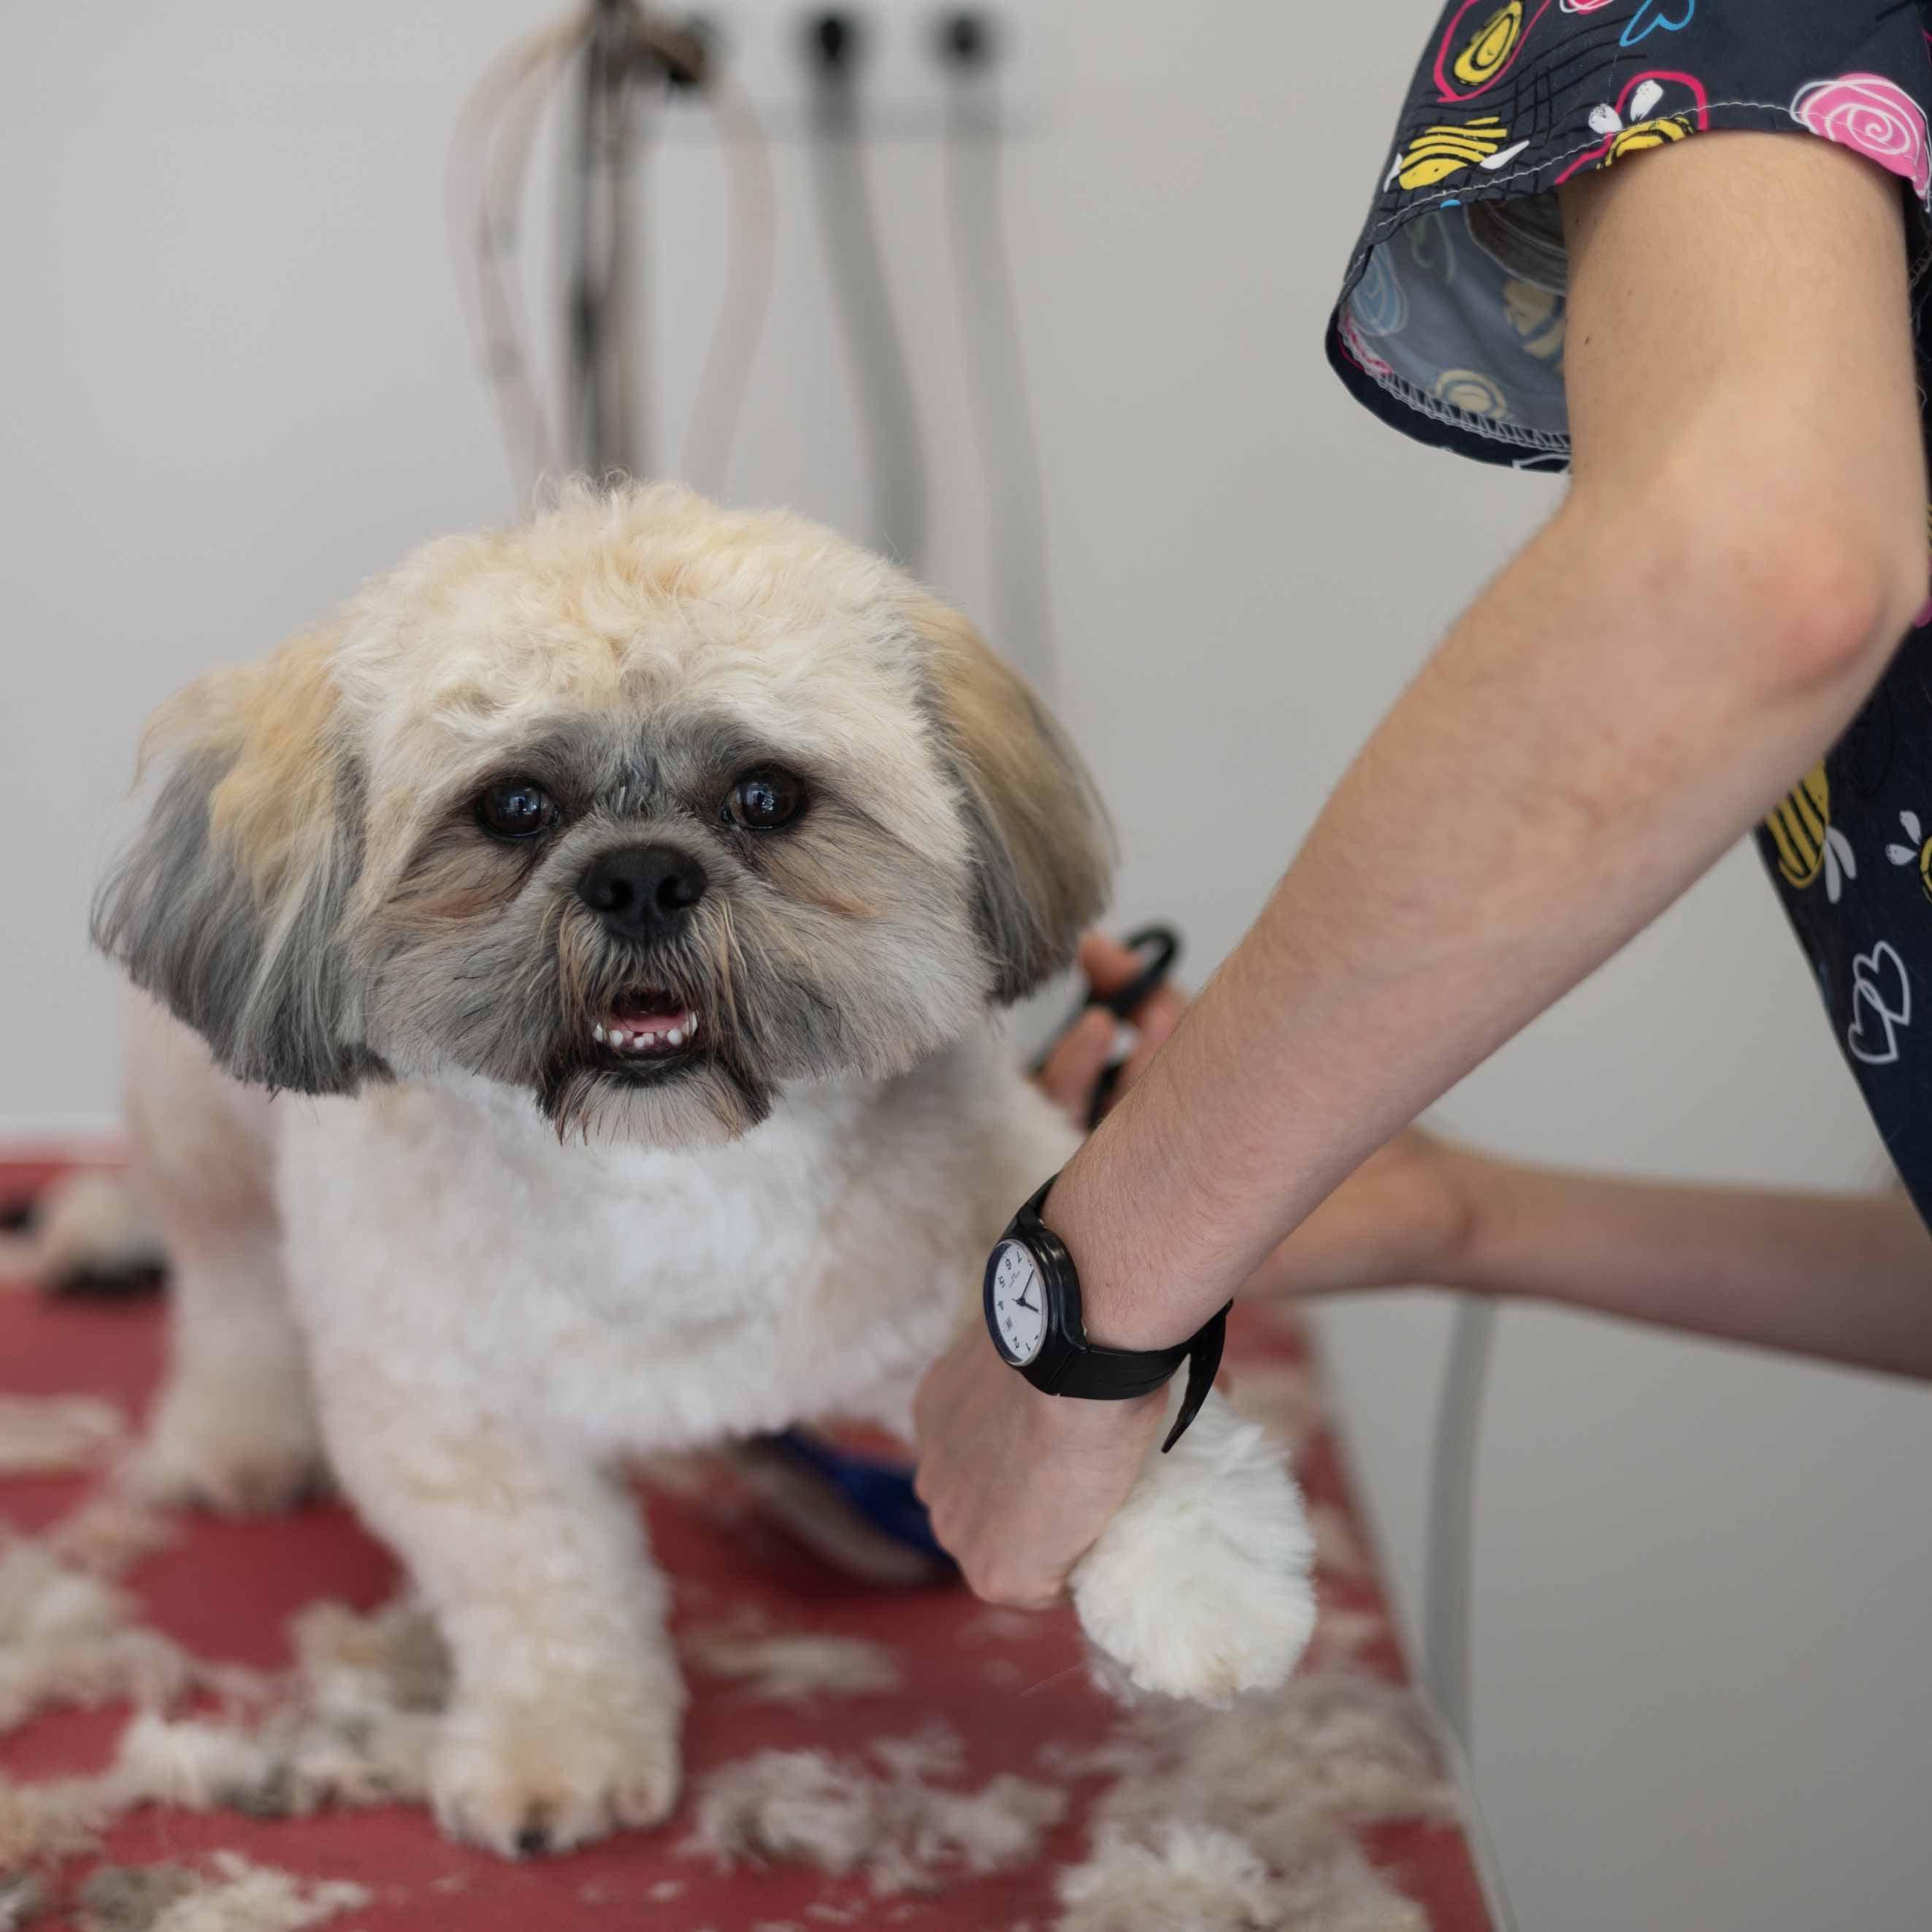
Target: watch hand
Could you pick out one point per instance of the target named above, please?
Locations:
(1032, 1307)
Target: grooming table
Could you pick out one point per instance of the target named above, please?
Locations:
(1006, 1685)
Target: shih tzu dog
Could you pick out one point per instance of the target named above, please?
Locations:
(582, 954)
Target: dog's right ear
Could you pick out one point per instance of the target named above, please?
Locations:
(228, 906)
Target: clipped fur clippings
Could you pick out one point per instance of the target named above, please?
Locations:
(791, 1666)
(899, 1832)
(1206, 1880)
(1209, 1881)
(1338, 1747)
(23, 1898)
(109, 1533)
(235, 1895)
(1242, 1821)
(66, 1638)
(44, 1434)
(130, 1898)
(41, 1824)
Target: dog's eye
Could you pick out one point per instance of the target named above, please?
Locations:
(763, 800)
(517, 809)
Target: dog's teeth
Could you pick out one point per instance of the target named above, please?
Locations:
(691, 1025)
(675, 1036)
(617, 1037)
(597, 1033)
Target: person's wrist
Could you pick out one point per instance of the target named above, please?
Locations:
(1471, 1256)
(1122, 1306)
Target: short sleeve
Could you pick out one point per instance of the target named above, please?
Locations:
(1451, 319)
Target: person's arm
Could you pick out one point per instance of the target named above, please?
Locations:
(1741, 549)
(1844, 1277)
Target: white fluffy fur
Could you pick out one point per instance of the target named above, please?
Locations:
(39, 1433)
(1199, 1588)
(235, 1896)
(815, 1808)
(483, 1321)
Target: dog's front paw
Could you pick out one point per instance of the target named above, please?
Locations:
(1199, 1588)
(232, 1450)
(524, 1777)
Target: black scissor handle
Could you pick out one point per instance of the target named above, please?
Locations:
(1162, 944)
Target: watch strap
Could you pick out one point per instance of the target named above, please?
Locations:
(1118, 1374)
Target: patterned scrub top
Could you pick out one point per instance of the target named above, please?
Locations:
(1450, 326)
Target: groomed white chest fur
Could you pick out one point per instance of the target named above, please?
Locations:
(641, 1299)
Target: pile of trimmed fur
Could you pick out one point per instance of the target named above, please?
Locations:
(887, 1820)
(1244, 1820)
(234, 1895)
(1236, 1821)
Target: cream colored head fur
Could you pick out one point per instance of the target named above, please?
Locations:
(315, 893)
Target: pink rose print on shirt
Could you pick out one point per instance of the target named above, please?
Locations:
(1874, 117)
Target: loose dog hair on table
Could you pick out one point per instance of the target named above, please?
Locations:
(574, 970)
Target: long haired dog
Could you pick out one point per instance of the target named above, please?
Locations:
(631, 891)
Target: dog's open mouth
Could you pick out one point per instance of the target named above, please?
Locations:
(647, 1027)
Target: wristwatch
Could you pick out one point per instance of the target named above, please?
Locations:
(1033, 1315)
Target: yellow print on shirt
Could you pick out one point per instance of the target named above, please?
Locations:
(1488, 51)
(1438, 152)
(1648, 134)
(1807, 843)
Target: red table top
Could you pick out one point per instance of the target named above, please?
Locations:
(226, 1590)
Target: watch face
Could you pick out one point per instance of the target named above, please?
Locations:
(1016, 1302)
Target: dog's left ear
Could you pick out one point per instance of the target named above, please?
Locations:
(1044, 851)
(229, 906)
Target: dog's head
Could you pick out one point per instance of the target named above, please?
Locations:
(645, 807)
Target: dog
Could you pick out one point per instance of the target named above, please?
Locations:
(572, 975)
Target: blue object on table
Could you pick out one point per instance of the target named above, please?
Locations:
(881, 1491)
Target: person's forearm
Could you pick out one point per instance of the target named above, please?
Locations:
(1547, 786)
(1846, 1276)
(1722, 588)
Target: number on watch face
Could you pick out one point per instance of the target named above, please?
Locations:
(1019, 1302)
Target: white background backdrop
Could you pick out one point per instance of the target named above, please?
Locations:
(234, 383)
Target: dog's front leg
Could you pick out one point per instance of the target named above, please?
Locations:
(565, 1718)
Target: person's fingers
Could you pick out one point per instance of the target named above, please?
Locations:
(1074, 1064)
(1106, 963)
(1012, 1589)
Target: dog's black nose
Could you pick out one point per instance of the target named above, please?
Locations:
(642, 892)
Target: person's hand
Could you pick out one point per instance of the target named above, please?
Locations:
(1075, 1063)
(1020, 1484)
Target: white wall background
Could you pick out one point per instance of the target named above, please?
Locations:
(232, 383)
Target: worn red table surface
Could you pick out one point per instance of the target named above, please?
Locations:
(226, 1590)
